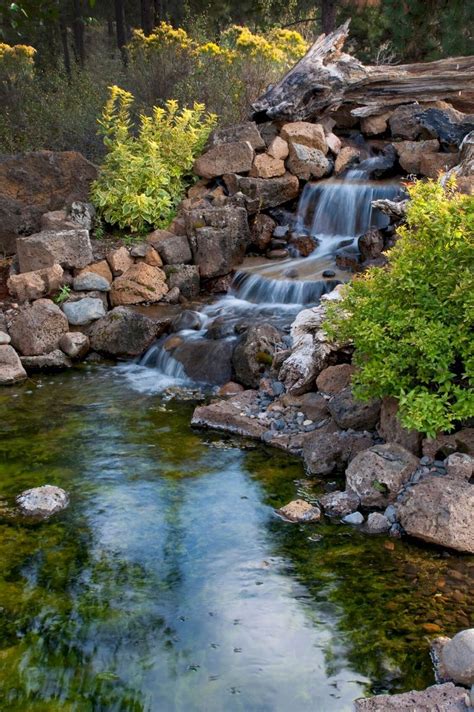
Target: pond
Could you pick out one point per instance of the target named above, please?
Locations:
(170, 584)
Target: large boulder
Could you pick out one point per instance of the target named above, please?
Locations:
(232, 157)
(42, 502)
(69, 248)
(174, 249)
(351, 413)
(218, 238)
(376, 475)
(328, 452)
(442, 698)
(84, 311)
(37, 329)
(391, 430)
(123, 332)
(37, 182)
(440, 510)
(334, 379)
(306, 163)
(206, 360)
(34, 285)
(263, 193)
(11, 369)
(140, 283)
(254, 353)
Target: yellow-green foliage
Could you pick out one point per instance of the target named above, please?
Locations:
(143, 177)
(412, 323)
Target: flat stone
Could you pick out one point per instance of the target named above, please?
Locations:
(263, 193)
(224, 158)
(300, 511)
(83, 311)
(246, 131)
(88, 281)
(442, 698)
(69, 248)
(229, 416)
(42, 502)
(339, 504)
(52, 361)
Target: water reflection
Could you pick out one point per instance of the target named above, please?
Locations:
(170, 585)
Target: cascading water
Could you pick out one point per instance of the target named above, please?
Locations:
(334, 213)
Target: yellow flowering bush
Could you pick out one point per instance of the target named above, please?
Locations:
(226, 75)
(16, 62)
(144, 174)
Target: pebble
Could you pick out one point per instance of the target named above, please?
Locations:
(354, 518)
(391, 514)
(329, 273)
(307, 422)
(425, 460)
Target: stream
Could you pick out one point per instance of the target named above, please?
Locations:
(170, 584)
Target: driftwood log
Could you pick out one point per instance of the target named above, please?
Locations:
(326, 78)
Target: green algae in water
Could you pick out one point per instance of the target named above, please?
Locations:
(169, 584)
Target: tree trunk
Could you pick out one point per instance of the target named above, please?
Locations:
(120, 27)
(328, 15)
(65, 45)
(146, 13)
(78, 32)
(327, 78)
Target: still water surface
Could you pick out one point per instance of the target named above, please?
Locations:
(170, 585)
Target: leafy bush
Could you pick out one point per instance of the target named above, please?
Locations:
(412, 322)
(143, 177)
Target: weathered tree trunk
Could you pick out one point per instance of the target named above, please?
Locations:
(78, 32)
(65, 45)
(147, 12)
(327, 78)
(328, 15)
(120, 27)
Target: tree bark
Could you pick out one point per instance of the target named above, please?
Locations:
(78, 32)
(146, 12)
(65, 45)
(120, 28)
(328, 15)
(327, 78)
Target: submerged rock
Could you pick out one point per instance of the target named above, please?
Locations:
(445, 698)
(300, 511)
(42, 502)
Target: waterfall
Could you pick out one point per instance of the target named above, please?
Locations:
(335, 213)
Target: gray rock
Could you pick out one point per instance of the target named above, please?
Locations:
(391, 430)
(378, 473)
(351, 413)
(4, 338)
(52, 361)
(82, 214)
(174, 250)
(439, 510)
(74, 344)
(42, 502)
(90, 281)
(206, 360)
(69, 248)
(327, 452)
(122, 332)
(254, 353)
(263, 193)
(218, 238)
(11, 369)
(391, 513)
(456, 658)
(185, 278)
(354, 518)
(438, 698)
(339, 504)
(459, 465)
(37, 328)
(246, 131)
(305, 162)
(83, 311)
(377, 523)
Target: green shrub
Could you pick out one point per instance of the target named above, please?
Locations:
(412, 322)
(144, 174)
